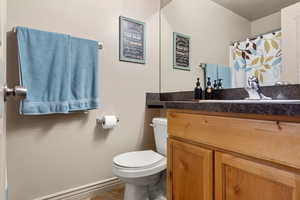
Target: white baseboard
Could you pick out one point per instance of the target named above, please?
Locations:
(83, 192)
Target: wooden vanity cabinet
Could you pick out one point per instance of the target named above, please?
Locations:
(190, 171)
(240, 179)
(226, 158)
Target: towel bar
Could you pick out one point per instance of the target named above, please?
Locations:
(100, 44)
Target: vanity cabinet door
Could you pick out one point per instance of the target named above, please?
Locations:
(240, 179)
(190, 171)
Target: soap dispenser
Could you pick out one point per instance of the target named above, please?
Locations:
(208, 90)
(217, 88)
(220, 84)
(215, 84)
(198, 90)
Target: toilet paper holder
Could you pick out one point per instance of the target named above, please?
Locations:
(101, 120)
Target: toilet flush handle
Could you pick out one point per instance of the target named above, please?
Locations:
(151, 125)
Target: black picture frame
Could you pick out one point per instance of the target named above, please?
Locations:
(181, 51)
(132, 40)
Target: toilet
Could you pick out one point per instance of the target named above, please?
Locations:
(140, 170)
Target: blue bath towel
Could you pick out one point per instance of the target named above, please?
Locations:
(212, 72)
(224, 73)
(216, 72)
(60, 75)
(84, 74)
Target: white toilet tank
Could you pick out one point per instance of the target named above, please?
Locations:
(160, 134)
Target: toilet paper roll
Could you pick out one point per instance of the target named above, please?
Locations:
(109, 122)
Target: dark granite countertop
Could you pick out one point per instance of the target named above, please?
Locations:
(183, 100)
(286, 109)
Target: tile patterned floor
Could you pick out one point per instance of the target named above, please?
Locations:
(116, 193)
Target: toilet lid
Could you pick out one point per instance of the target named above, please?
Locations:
(138, 159)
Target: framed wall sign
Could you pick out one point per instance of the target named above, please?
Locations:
(132, 41)
(181, 52)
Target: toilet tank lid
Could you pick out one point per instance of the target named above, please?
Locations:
(138, 159)
(161, 121)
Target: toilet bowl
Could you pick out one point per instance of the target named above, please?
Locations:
(140, 170)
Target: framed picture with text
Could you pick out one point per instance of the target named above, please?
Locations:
(132, 41)
(181, 51)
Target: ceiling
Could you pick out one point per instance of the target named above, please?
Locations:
(255, 9)
(163, 3)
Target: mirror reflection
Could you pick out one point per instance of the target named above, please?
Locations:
(228, 42)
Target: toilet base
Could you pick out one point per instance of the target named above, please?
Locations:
(136, 192)
(146, 188)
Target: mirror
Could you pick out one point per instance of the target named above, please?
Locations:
(228, 41)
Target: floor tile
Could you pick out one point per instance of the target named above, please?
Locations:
(116, 193)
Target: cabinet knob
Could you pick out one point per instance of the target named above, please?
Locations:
(236, 189)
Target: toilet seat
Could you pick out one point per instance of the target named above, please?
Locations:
(138, 164)
(138, 159)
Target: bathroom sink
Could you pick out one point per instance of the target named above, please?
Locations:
(252, 101)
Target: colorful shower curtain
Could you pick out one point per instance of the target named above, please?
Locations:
(260, 56)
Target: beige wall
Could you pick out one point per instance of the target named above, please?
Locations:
(48, 154)
(211, 27)
(290, 43)
(2, 81)
(266, 24)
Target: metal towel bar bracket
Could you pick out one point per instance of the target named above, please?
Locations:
(17, 91)
(100, 45)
